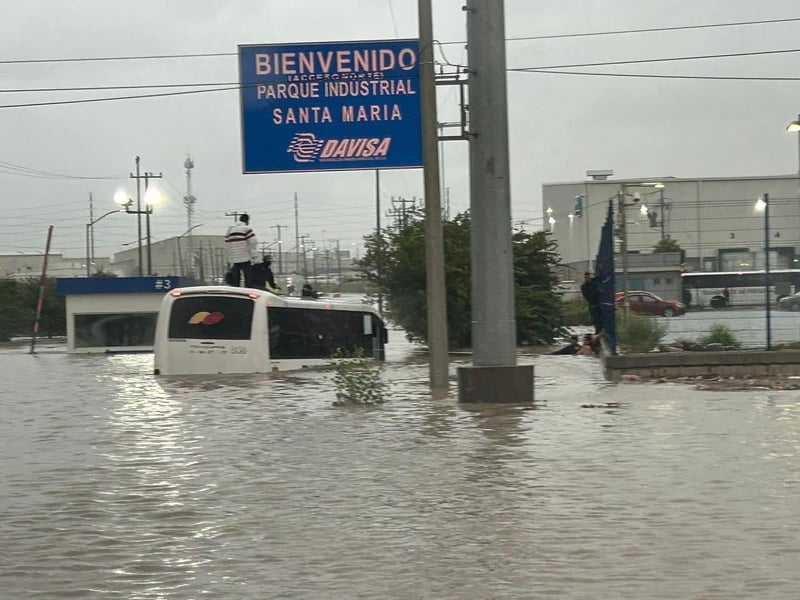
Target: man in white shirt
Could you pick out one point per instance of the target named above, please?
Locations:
(242, 250)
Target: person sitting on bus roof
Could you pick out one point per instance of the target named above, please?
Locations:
(309, 292)
(263, 277)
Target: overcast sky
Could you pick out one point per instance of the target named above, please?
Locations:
(560, 125)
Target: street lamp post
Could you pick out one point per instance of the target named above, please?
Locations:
(621, 195)
(190, 270)
(794, 127)
(626, 303)
(89, 236)
(763, 205)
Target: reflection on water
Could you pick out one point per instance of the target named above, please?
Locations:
(116, 484)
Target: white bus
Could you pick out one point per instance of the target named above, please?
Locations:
(737, 288)
(221, 329)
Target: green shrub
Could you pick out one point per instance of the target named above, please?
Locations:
(357, 379)
(719, 334)
(575, 313)
(638, 333)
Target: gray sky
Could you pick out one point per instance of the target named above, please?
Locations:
(560, 125)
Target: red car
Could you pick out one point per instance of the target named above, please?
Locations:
(646, 303)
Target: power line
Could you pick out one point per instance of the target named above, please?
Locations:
(552, 69)
(14, 169)
(509, 39)
(658, 60)
(101, 88)
(112, 98)
(655, 76)
(643, 30)
(113, 58)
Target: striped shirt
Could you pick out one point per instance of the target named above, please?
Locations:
(241, 244)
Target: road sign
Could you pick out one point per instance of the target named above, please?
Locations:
(330, 106)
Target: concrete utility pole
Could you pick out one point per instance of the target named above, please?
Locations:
(280, 246)
(137, 177)
(297, 236)
(139, 212)
(434, 236)
(494, 376)
(379, 244)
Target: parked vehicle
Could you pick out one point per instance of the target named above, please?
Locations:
(647, 303)
(790, 302)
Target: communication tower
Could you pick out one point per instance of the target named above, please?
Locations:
(189, 202)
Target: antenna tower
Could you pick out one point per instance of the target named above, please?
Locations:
(189, 202)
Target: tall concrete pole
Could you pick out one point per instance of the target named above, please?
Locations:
(494, 376)
(434, 236)
(493, 317)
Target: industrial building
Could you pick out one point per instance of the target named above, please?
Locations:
(718, 224)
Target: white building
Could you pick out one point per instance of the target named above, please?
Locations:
(29, 265)
(715, 222)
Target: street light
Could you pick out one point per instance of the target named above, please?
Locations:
(762, 205)
(621, 205)
(90, 251)
(550, 218)
(190, 270)
(794, 127)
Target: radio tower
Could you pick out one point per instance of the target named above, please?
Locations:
(188, 201)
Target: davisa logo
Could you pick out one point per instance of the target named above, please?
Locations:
(306, 147)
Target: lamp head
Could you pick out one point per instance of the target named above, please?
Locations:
(121, 198)
(151, 196)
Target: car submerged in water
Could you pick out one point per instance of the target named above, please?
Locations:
(647, 303)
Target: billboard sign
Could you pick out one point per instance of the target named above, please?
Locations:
(330, 106)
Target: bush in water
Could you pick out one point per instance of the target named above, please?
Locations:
(357, 379)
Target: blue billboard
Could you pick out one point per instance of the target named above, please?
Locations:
(330, 106)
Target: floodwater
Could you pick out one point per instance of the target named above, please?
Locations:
(749, 326)
(117, 484)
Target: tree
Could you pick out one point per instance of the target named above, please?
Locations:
(667, 245)
(396, 265)
(18, 300)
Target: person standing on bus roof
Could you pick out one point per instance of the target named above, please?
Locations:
(241, 248)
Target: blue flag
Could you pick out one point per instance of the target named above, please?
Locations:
(604, 271)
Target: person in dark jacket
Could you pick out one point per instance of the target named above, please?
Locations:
(309, 292)
(263, 277)
(590, 289)
(572, 348)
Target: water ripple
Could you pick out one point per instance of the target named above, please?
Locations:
(120, 485)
